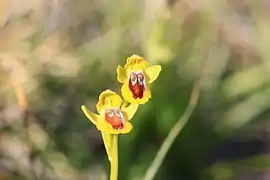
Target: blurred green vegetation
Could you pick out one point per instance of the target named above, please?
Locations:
(57, 55)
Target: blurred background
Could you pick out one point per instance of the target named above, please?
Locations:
(56, 55)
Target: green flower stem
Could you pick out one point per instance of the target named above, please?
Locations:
(114, 157)
(166, 145)
(124, 104)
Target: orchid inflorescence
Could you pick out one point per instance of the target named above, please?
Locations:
(114, 112)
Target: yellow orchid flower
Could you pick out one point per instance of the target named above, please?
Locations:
(112, 117)
(136, 75)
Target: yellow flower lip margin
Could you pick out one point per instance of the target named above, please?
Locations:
(137, 64)
(109, 99)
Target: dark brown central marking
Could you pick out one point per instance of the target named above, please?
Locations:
(115, 118)
(136, 84)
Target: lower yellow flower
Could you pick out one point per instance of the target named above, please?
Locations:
(136, 76)
(113, 118)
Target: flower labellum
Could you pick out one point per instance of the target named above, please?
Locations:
(115, 118)
(137, 84)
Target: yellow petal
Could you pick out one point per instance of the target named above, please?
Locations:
(153, 72)
(103, 126)
(143, 100)
(108, 99)
(147, 92)
(129, 111)
(127, 128)
(134, 59)
(90, 115)
(107, 140)
(128, 96)
(136, 63)
(121, 74)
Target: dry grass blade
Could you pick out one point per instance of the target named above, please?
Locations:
(23, 103)
(4, 8)
(21, 97)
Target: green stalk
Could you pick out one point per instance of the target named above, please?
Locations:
(114, 157)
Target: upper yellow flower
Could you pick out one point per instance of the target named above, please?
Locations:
(113, 117)
(136, 77)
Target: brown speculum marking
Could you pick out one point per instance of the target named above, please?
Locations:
(136, 84)
(115, 117)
